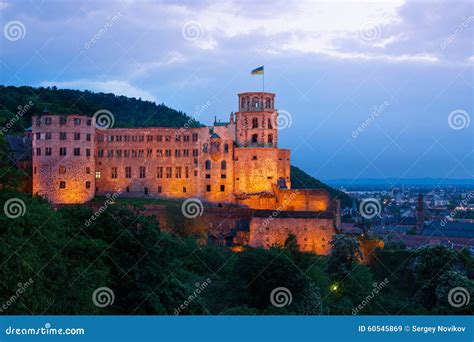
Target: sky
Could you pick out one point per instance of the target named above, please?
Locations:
(374, 89)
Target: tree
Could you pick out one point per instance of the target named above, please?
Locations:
(345, 251)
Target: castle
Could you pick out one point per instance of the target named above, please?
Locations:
(236, 162)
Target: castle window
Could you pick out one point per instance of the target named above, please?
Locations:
(195, 173)
(168, 138)
(100, 137)
(186, 138)
(184, 189)
(159, 153)
(142, 172)
(134, 153)
(77, 121)
(126, 138)
(178, 172)
(185, 153)
(141, 138)
(254, 158)
(111, 138)
(223, 165)
(159, 172)
(62, 135)
(62, 120)
(195, 137)
(226, 148)
(126, 153)
(208, 176)
(222, 187)
(186, 172)
(195, 152)
(128, 172)
(159, 188)
(159, 138)
(208, 188)
(169, 172)
(47, 151)
(177, 137)
(100, 153)
(47, 136)
(149, 138)
(62, 169)
(208, 164)
(38, 122)
(145, 191)
(88, 152)
(38, 136)
(47, 121)
(88, 137)
(118, 153)
(62, 185)
(254, 123)
(195, 162)
(223, 176)
(114, 172)
(270, 125)
(149, 152)
(267, 103)
(205, 148)
(97, 174)
(168, 153)
(77, 136)
(88, 185)
(254, 138)
(110, 153)
(88, 170)
(38, 151)
(177, 153)
(89, 122)
(270, 139)
(141, 153)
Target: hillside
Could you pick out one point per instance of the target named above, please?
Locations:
(301, 180)
(128, 112)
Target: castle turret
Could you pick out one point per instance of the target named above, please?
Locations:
(256, 120)
(63, 157)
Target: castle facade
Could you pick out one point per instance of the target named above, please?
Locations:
(235, 162)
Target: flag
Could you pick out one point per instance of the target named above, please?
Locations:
(257, 71)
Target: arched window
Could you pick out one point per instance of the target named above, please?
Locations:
(255, 103)
(223, 165)
(268, 103)
(226, 148)
(270, 125)
(254, 138)
(254, 123)
(270, 139)
(204, 148)
(208, 164)
(243, 103)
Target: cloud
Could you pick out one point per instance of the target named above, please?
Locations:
(173, 57)
(112, 86)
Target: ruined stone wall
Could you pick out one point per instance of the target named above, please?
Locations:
(313, 234)
(65, 178)
(166, 162)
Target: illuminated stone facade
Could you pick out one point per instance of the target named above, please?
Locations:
(236, 162)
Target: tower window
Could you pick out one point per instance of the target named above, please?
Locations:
(77, 151)
(62, 185)
(254, 138)
(142, 172)
(114, 172)
(47, 151)
(223, 165)
(184, 189)
(222, 188)
(62, 169)
(270, 139)
(128, 172)
(208, 164)
(97, 174)
(267, 103)
(88, 185)
(226, 148)
(77, 136)
(77, 121)
(208, 188)
(270, 125)
(254, 123)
